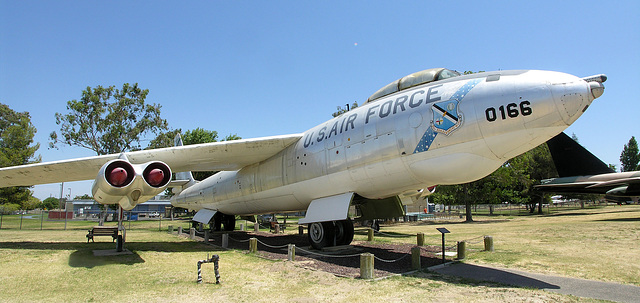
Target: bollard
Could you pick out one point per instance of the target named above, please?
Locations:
(179, 230)
(462, 250)
(420, 239)
(488, 243)
(370, 235)
(300, 230)
(207, 236)
(291, 252)
(170, 229)
(256, 227)
(253, 245)
(415, 258)
(366, 266)
(241, 226)
(225, 240)
(192, 233)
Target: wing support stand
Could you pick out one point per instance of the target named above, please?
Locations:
(122, 233)
(214, 259)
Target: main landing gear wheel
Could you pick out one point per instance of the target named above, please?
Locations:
(325, 234)
(344, 232)
(229, 222)
(220, 221)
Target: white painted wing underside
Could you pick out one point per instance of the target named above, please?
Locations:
(227, 155)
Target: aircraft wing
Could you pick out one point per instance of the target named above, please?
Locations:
(217, 156)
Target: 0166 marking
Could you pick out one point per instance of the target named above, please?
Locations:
(512, 110)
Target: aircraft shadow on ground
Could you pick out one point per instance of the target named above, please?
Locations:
(470, 274)
(344, 261)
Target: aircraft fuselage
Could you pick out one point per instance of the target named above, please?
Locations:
(450, 131)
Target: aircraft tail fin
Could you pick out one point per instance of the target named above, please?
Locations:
(186, 177)
(571, 159)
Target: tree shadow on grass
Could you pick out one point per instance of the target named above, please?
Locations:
(83, 255)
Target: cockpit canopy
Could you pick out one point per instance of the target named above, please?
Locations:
(415, 79)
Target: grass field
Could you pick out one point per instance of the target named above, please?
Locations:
(57, 265)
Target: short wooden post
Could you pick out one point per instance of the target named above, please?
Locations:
(488, 243)
(415, 258)
(370, 235)
(291, 252)
(225, 240)
(192, 233)
(420, 239)
(179, 230)
(366, 266)
(300, 230)
(241, 226)
(462, 250)
(207, 236)
(253, 245)
(170, 229)
(256, 227)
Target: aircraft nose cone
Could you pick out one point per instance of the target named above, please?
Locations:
(595, 85)
(597, 89)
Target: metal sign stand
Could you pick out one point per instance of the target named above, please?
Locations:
(443, 231)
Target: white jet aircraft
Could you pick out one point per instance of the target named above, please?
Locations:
(429, 128)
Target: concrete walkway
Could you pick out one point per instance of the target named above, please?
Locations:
(570, 286)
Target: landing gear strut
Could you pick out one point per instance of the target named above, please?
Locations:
(121, 231)
(220, 221)
(332, 233)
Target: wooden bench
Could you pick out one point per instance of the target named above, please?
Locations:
(102, 231)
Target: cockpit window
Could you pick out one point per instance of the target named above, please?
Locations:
(415, 79)
(445, 74)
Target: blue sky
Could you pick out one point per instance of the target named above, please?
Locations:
(261, 68)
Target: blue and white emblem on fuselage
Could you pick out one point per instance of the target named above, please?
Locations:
(446, 117)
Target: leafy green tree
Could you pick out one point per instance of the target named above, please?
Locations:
(50, 203)
(83, 197)
(164, 139)
(16, 148)
(342, 110)
(630, 157)
(200, 135)
(108, 120)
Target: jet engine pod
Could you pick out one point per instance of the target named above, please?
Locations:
(126, 184)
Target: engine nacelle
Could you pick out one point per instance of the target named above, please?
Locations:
(126, 184)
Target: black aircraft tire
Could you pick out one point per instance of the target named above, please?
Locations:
(321, 234)
(344, 232)
(229, 222)
(215, 224)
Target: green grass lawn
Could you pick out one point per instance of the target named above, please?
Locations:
(59, 266)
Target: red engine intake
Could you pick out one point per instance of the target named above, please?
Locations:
(126, 184)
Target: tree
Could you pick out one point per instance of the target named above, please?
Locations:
(108, 120)
(196, 136)
(164, 139)
(50, 203)
(630, 157)
(16, 148)
(342, 110)
(200, 135)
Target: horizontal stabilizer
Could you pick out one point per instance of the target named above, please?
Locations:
(571, 159)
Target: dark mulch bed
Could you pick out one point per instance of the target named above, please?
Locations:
(344, 261)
